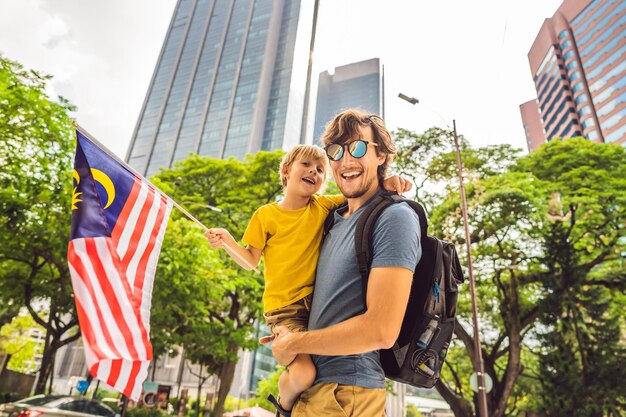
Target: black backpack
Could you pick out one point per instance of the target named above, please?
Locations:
(417, 356)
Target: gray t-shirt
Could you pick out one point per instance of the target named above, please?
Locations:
(338, 288)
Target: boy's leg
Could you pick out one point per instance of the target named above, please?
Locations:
(300, 374)
(295, 379)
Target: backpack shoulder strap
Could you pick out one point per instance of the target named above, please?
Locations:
(365, 230)
(421, 214)
(363, 234)
(329, 222)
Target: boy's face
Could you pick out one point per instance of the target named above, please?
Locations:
(305, 176)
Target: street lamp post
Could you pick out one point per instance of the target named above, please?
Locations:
(479, 366)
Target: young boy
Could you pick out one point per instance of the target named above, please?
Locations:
(288, 234)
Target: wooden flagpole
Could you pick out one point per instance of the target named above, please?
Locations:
(100, 146)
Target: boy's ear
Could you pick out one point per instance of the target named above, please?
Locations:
(284, 171)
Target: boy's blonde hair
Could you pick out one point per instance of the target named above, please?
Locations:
(299, 152)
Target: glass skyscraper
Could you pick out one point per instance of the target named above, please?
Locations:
(358, 85)
(579, 70)
(230, 80)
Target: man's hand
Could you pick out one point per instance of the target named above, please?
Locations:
(281, 346)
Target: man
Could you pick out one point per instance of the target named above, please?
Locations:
(343, 339)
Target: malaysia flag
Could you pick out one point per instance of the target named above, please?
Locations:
(118, 223)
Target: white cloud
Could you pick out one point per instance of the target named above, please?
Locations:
(101, 54)
(462, 59)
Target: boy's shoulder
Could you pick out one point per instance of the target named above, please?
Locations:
(266, 209)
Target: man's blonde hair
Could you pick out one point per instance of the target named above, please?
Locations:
(299, 152)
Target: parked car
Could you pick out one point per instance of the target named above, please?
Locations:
(56, 406)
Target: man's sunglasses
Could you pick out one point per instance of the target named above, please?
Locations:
(357, 148)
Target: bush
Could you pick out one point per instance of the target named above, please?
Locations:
(412, 411)
(146, 412)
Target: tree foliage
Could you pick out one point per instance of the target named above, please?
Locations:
(16, 341)
(266, 387)
(583, 277)
(413, 411)
(203, 300)
(36, 149)
(547, 231)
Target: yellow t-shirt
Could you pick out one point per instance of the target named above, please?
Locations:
(290, 241)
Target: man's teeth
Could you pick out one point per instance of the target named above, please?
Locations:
(350, 174)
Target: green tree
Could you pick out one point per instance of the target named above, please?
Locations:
(181, 305)
(266, 387)
(16, 341)
(36, 149)
(412, 411)
(492, 207)
(511, 204)
(227, 299)
(181, 288)
(583, 277)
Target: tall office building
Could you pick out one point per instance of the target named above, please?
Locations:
(578, 66)
(230, 80)
(359, 85)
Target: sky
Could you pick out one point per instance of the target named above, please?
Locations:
(463, 59)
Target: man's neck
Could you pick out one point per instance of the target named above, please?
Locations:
(356, 203)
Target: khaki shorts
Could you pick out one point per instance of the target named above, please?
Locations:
(328, 399)
(295, 316)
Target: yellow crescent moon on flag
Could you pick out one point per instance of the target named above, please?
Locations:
(76, 194)
(106, 183)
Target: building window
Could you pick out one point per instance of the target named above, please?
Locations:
(577, 87)
(585, 19)
(606, 48)
(588, 122)
(618, 134)
(612, 121)
(593, 135)
(584, 110)
(563, 34)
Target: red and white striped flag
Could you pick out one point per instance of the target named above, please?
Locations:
(118, 223)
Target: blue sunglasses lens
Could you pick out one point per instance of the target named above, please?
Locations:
(358, 148)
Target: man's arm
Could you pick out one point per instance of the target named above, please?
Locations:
(377, 328)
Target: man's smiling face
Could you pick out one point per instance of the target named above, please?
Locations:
(357, 177)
